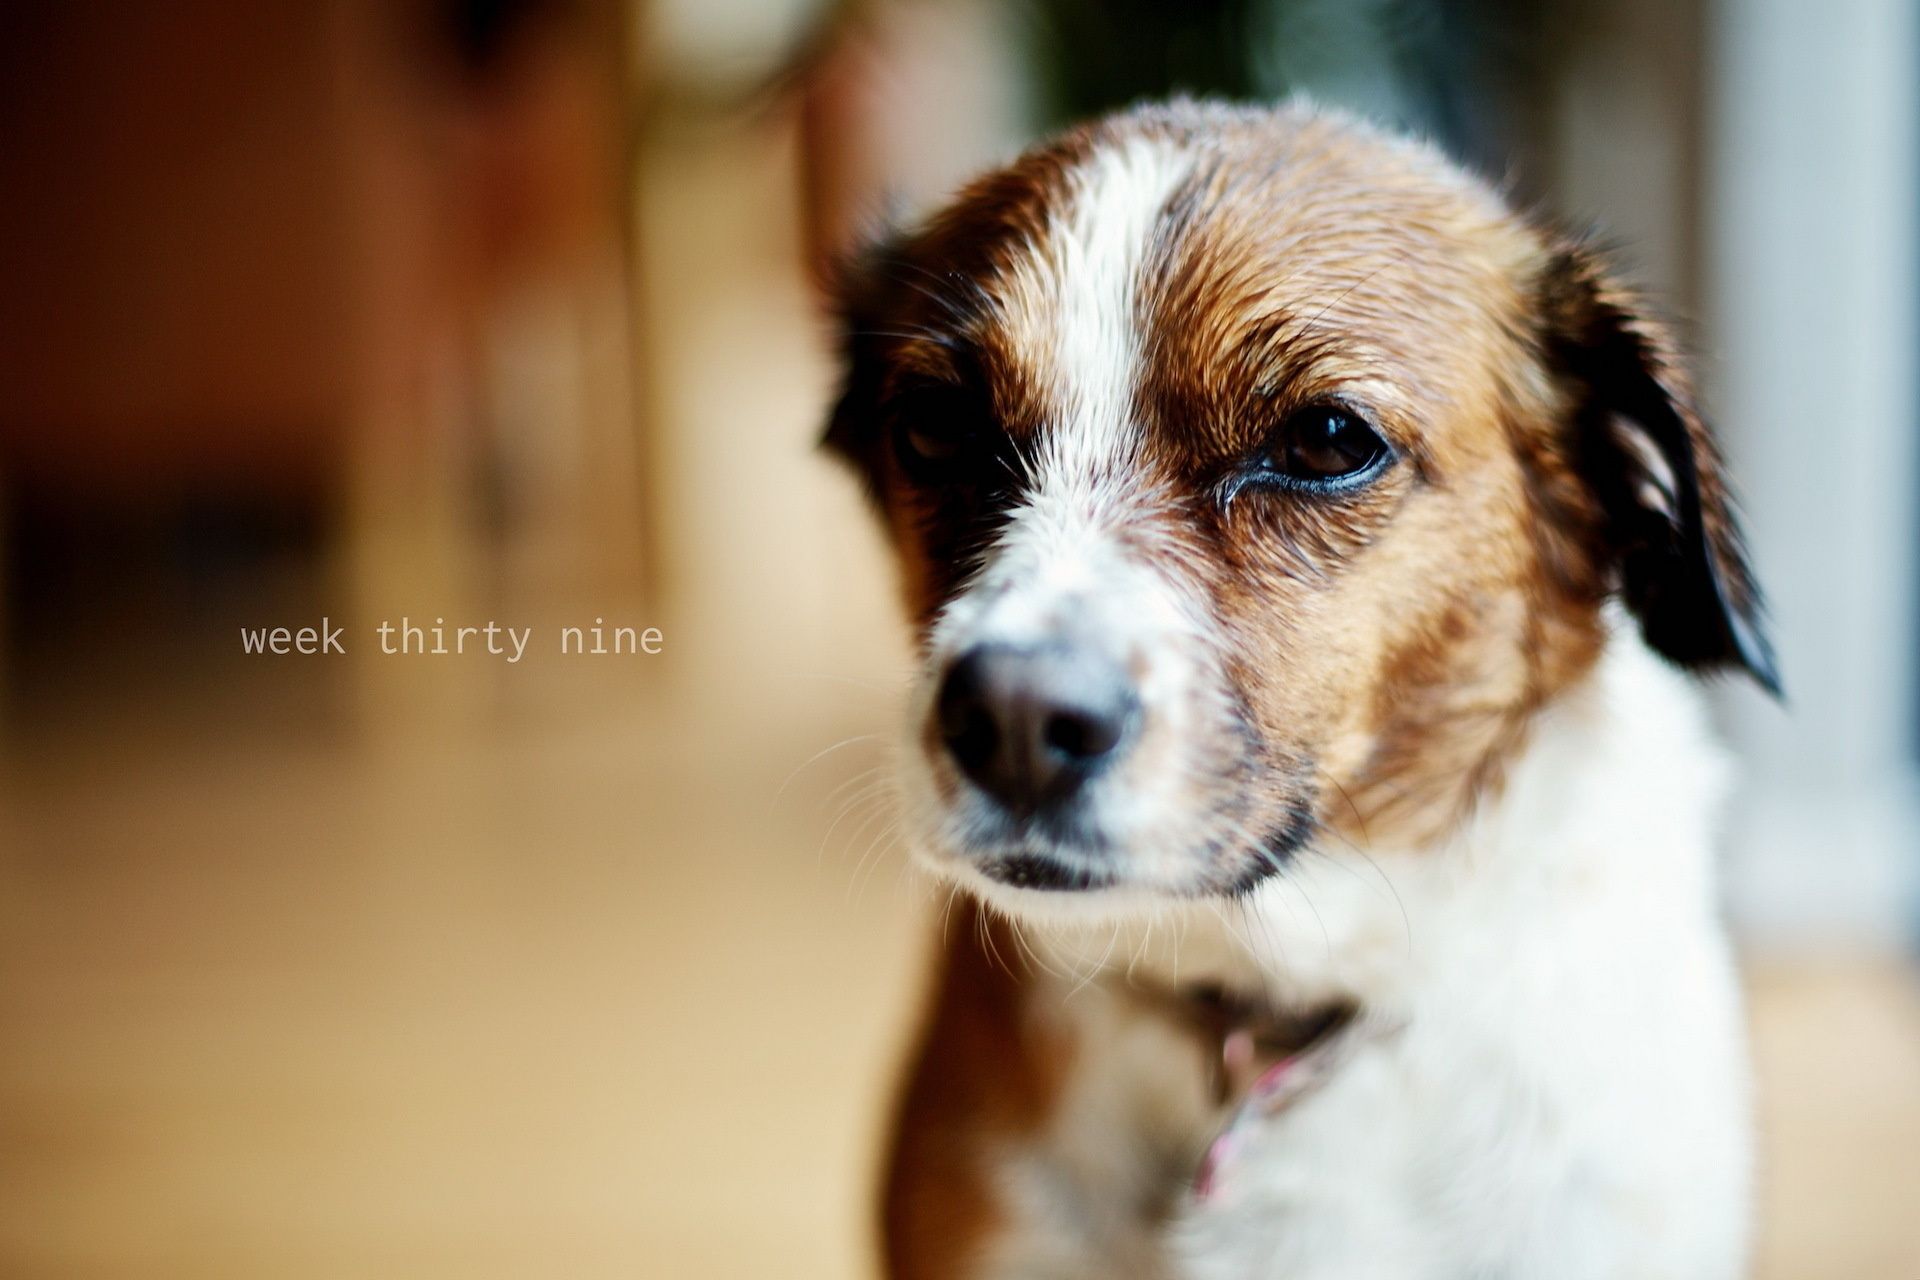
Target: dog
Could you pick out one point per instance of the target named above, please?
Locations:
(1310, 556)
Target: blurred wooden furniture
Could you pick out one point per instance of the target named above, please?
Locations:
(362, 259)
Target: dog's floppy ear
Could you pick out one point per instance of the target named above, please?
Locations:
(853, 430)
(1650, 461)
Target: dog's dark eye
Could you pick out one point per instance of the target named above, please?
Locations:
(1327, 446)
(937, 432)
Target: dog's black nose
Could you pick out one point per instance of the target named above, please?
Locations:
(1030, 725)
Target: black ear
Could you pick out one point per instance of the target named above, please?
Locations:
(1650, 462)
(856, 295)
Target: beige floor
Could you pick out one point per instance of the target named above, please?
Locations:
(593, 1000)
(591, 996)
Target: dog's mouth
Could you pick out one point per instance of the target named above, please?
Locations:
(1044, 873)
(1042, 855)
(1212, 867)
(1048, 874)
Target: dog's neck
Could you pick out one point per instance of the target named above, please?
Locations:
(1614, 775)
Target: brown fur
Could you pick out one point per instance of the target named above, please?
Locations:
(987, 1076)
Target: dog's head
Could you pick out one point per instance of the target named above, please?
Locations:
(1253, 475)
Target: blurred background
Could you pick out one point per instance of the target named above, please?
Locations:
(501, 310)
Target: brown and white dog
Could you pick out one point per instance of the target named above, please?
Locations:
(1306, 550)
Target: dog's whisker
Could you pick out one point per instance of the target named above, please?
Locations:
(1097, 967)
(946, 913)
(877, 851)
(1380, 873)
(1032, 953)
(863, 778)
(985, 929)
(818, 756)
(880, 814)
(873, 790)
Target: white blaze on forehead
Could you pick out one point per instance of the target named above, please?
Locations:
(1073, 307)
(1084, 290)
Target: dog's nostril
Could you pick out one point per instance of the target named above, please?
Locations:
(1082, 735)
(966, 723)
(1029, 725)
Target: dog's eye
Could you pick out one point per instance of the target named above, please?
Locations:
(936, 431)
(1327, 445)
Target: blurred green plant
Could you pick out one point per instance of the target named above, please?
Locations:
(1426, 65)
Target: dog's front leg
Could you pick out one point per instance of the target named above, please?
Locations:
(1045, 1132)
